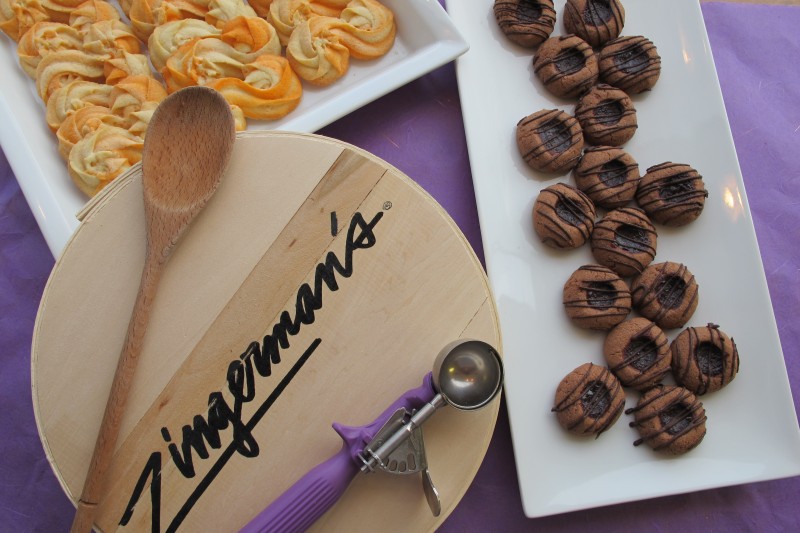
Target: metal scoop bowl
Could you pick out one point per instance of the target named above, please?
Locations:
(467, 374)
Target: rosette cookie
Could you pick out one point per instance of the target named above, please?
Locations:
(119, 68)
(90, 12)
(250, 37)
(102, 156)
(167, 38)
(45, 38)
(18, 16)
(60, 10)
(110, 38)
(134, 99)
(198, 62)
(315, 53)
(82, 123)
(366, 28)
(266, 89)
(73, 97)
(286, 15)
(145, 15)
(60, 68)
(222, 11)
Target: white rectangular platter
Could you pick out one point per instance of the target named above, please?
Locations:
(426, 39)
(752, 427)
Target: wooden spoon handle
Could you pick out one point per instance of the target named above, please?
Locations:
(105, 445)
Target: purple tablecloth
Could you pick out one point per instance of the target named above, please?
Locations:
(419, 129)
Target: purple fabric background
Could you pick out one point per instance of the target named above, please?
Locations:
(419, 129)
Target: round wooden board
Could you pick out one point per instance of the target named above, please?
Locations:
(408, 283)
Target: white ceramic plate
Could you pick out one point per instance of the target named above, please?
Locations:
(752, 428)
(426, 39)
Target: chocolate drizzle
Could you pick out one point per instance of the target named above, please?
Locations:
(704, 359)
(625, 241)
(607, 116)
(672, 194)
(566, 216)
(526, 22)
(645, 357)
(666, 293)
(608, 182)
(566, 65)
(550, 140)
(666, 414)
(599, 395)
(596, 298)
(596, 21)
(630, 63)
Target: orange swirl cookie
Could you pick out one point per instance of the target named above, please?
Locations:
(367, 29)
(286, 15)
(18, 16)
(72, 97)
(60, 68)
(60, 10)
(167, 38)
(116, 69)
(250, 37)
(134, 99)
(267, 88)
(198, 62)
(102, 156)
(315, 52)
(45, 38)
(82, 123)
(90, 12)
(222, 11)
(110, 38)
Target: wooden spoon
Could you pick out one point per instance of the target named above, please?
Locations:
(188, 144)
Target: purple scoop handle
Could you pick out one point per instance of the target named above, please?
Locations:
(312, 495)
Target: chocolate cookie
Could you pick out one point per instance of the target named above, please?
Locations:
(624, 241)
(606, 115)
(608, 175)
(566, 65)
(594, 21)
(596, 298)
(589, 400)
(525, 22)
(550, 140)
(630, 63)
(563, 217)
(704, 359)
(672, 194)
(637, 352)
(666, 293)
(669, 419)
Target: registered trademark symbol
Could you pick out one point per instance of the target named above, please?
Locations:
(387, 205)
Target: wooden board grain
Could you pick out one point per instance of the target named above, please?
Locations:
(401, 282)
